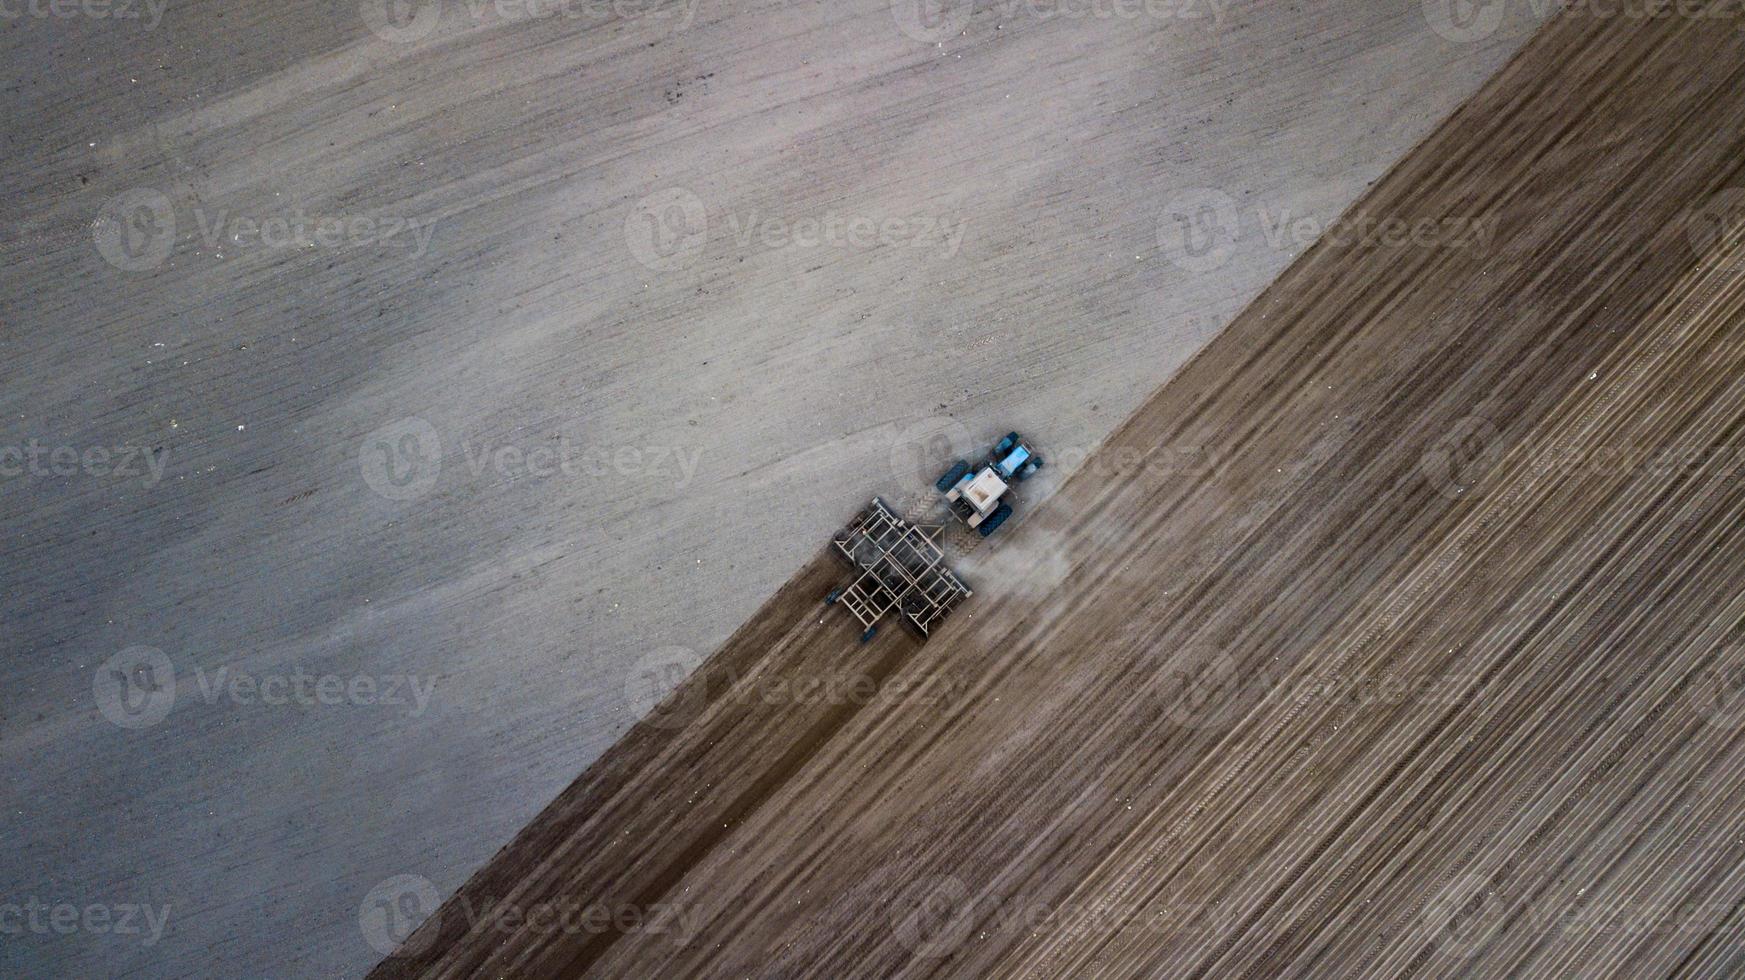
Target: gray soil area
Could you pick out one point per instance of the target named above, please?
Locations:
(389, 388)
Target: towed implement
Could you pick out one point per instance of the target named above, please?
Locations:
(900, 567)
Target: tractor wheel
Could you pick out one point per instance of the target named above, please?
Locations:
(994, 520)
(949, 480)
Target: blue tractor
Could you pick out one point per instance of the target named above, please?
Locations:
(976, 493)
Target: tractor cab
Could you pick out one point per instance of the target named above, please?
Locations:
(977, 494)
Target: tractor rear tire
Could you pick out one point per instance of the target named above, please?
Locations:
(949, 480)
(994, 520)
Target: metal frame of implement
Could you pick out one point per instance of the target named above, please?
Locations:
(901, 567)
